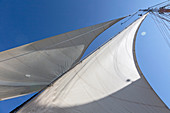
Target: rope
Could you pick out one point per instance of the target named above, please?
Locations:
(159, 3)
(164, 26)
(164, 18)
(130, 17)
(160, 29)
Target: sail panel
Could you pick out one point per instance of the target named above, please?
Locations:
(105, 82)
(36, 64)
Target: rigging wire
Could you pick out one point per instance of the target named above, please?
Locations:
(164, 34)
(164, 22)
(166, 16)
(130, 17)
(164, 26)
(157, 22)
(161, 21)
(163, 18)
(167, 6)
(159, 4)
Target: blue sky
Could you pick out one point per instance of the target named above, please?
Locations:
(25, 21)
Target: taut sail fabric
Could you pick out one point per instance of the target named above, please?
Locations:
(105, 82)
(30, 67)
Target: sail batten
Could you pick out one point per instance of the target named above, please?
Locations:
(106, 81)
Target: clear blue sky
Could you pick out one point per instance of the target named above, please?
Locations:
(25, 21)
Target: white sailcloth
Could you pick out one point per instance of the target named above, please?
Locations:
(107, 81)
(30, 67)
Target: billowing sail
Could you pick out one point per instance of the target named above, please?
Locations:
(30, 67)
(107, 81)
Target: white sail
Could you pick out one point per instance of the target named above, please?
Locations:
(107, 81)
(30, 67)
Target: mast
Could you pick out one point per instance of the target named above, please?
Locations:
(161, 10)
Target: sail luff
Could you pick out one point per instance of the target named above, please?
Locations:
(106, 81)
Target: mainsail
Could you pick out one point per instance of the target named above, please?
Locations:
(107, 81)
(30, 67)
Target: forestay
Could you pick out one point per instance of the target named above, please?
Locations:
(107, 81)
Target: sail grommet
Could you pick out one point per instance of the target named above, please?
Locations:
(128, 80)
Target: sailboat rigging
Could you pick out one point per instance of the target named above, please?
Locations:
(107, 80)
